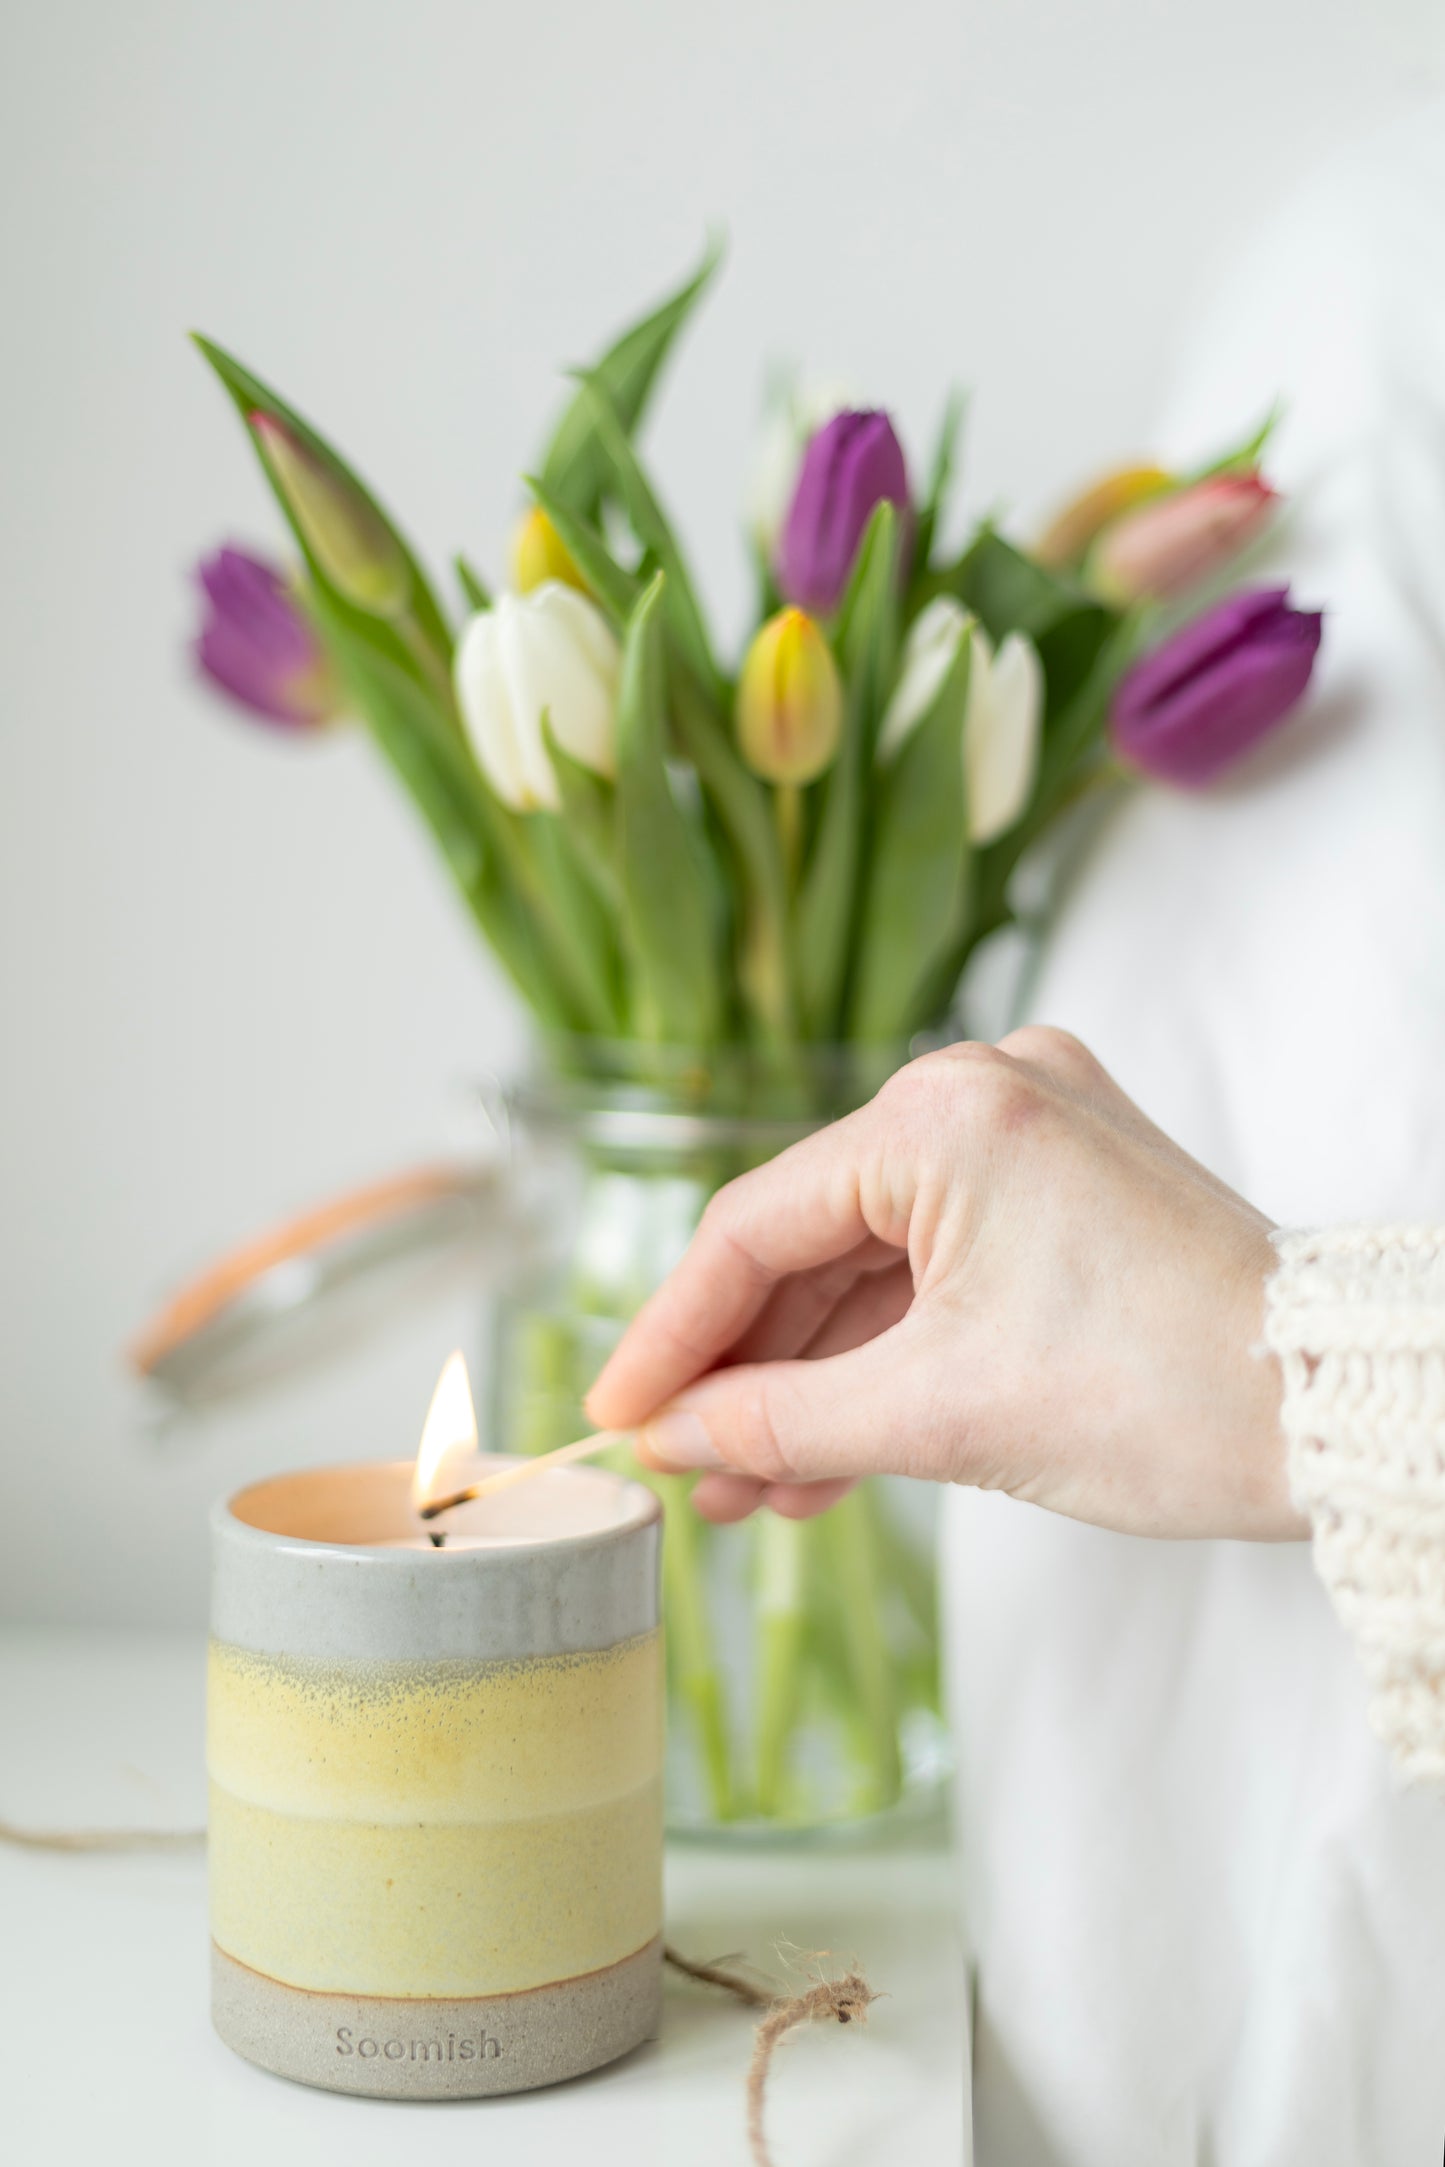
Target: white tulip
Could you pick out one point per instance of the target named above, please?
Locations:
(1002, 718)
(1001, 730)
(547, 652)
(928, 654)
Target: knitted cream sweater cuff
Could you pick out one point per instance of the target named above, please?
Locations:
(1357, 1318)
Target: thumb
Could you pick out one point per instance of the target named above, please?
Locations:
(874, 1410)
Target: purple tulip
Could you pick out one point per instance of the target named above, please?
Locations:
(1200, 701)
(851, 465)
(258, 645)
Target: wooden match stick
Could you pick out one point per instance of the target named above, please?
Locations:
(582, 1449)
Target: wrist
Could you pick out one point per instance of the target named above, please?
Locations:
(1266, 1510)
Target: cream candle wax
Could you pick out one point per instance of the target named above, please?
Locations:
(435, 1827)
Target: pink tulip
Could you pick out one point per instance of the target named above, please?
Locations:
(1173, 543)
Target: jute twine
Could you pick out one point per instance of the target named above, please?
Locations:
(843, 2000)
(101, 1839)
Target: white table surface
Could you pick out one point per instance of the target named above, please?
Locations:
(108, 2054)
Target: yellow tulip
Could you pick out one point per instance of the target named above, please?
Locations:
(539, 554)
(1071, 530)
(790, 701)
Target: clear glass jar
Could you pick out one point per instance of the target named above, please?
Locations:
(802, 1655)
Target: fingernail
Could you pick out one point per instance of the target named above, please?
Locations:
(681, 1440)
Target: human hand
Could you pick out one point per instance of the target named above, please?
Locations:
(996, 1273)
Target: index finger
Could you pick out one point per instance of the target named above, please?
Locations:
(802, 1209)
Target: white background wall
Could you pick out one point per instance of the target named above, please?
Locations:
(232, 976)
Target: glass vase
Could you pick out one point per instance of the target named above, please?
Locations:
(802, 1655)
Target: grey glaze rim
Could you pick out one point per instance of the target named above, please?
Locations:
(302, 1598)
(225, 1523)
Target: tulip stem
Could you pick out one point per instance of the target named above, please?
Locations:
(693, 1661)
(856, 1575)
(780, 1615)
(433, 666)
(788, 811)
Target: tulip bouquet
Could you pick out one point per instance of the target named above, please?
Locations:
(736, 870)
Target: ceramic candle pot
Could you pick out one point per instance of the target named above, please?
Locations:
(436, 1815)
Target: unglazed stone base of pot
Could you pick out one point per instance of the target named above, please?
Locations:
(437, 2049)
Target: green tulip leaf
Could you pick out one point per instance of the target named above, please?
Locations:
(420, 640)
(1005, 589)
(517, 889)
(436, 769)
(475, 589)
(1245, 456)
(1069, 650)
(574, 468)
(916, 890)
(744, 813)
(671, 906)
(827, 902)
(650, 524)
(767, 596)
(866, 633)
(564, 907)
(1075, 727)
(589, 810)
(578, 916)
(940, 479)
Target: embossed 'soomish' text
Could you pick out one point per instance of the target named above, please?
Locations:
(483, 2047)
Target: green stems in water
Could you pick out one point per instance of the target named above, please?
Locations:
(692, 1657)
(797, 1651)
(779, 1610)
(857, 1581)
(848, 1560)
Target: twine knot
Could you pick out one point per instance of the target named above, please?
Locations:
(844, 1999)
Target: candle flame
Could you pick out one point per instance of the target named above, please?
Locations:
(451, 1429)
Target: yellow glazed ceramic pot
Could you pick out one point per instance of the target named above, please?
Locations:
(435, 1820)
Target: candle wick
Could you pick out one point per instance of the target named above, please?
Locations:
(437, 1537)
